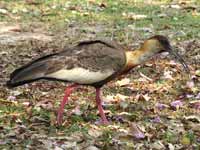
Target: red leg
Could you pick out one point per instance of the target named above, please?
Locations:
(64, 101)
(99, 105)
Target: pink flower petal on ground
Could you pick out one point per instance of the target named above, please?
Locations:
(198, 96)
(189, 96)
(139, 135)
(176, 104)
(156, 120)
(26, 103)
(11, 98)
(77, 111)
(190, 84)
(136, 131)
(161, 106)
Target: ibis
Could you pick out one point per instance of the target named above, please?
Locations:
(92, 63)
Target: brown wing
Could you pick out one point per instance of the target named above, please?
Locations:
(86, 63)
(94, 55)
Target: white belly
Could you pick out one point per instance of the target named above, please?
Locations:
(80, 75)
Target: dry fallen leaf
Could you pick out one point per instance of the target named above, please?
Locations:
(115, 98)
(158, 145)
(144, 97)
(161, 106)
(195, 104)
(77, 111)
(95, 132)
(190, 84)
(123, 82)
(175, 6)
(198, 96)
(136, 131)
(9, 28)
(26, 103)
(133, 16)
(171, 146)
(46, 104)
(3, 11)
(194, 118)
(144, 78)
(92, 148)
(168, 75)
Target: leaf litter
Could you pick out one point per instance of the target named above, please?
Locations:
(154, 107)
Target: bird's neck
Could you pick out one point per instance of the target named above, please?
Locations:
(138, 56)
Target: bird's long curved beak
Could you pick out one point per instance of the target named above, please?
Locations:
(179, 58)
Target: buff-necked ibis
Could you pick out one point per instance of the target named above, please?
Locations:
(91, 63)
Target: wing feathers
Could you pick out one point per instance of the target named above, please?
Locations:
(86, 63)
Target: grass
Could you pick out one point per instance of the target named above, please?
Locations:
(71, 21)
(60, 13)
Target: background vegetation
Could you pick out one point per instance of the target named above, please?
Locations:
(155, 106)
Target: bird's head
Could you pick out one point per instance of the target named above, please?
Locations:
(159, 44)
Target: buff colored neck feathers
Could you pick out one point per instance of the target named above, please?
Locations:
(145, 52)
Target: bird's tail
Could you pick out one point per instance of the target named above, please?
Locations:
(28, 73)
